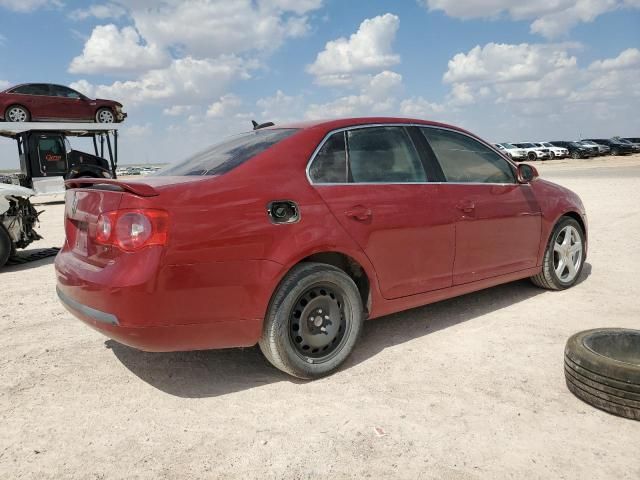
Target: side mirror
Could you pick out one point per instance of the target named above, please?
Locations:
(527, 173)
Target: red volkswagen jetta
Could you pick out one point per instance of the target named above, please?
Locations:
(292, 236)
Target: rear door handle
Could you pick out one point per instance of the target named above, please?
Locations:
(466, 206)
(359, 213)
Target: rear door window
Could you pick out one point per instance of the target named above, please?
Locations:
(32, 89)
(465, 160)
(383, 155)
(229, 154)
(330, 163)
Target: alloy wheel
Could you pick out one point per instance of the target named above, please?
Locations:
(105, 116)
(567, 254)
(17, 114)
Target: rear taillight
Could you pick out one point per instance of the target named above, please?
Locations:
(131, 230)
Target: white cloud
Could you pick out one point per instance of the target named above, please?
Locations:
(209, 28)
(367, 50)
(497, 63)
(420, 107)
(630, 58)
(177, 110)
(280, 107)
(99, 11)
(225, 106)
(4, 85)
(139, 130)
(377, 97)
(551, 18)
(24, 6)
(541, 88)
(184, 82)
(110, 50)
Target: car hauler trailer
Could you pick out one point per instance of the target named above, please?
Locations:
(47, 159)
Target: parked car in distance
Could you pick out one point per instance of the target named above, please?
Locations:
(291, 236)
(554, 152)
(576, 150)
(595, 151)
(617, 148)
(633, 139)
(534, 152)
(634, 146)
(602, 149)
(515, 153)
(44, 101)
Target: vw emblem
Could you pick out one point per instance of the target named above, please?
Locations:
(74, 204)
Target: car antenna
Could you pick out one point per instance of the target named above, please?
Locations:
(258, 126)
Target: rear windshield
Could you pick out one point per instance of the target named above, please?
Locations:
(226, 156)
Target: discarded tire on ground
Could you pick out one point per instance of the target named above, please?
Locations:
(602, 368)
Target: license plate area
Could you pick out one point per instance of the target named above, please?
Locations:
(81, 241)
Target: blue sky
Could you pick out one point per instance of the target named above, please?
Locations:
(192, 72)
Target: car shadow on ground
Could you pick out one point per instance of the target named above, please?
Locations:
(218, 372)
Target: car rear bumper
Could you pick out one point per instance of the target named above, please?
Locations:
(140, 303)
(237, 333)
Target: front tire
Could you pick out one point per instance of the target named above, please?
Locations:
(17, 113)
(615, 152)
(532, 157)
(105, 115)
(313, 322)
(6, 246)
(575, 155)
(564, 257)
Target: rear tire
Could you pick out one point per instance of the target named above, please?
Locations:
(552, 156)
(6, 246)
(563, 258)
(17, 113)
(313, 322)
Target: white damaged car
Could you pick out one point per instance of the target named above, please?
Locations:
(17, 220)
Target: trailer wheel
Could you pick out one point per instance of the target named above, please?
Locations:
(6, 246)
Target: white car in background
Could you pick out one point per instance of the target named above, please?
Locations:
(534, 152)
(512, 151)
(555, 152)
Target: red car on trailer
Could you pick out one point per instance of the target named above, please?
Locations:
(292, 236)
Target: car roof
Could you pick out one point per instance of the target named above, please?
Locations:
(35, 83)
(336, 124)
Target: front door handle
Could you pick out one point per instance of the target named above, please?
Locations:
(466, 206)
(359, 213)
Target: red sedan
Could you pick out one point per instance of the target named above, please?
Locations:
(43, 101)
(292, 236)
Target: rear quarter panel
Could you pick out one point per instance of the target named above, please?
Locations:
(221, 225)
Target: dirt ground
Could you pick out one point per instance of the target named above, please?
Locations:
(469, 388)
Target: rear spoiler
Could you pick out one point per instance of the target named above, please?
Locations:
(140, 189)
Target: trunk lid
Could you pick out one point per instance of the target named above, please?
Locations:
(82, 208)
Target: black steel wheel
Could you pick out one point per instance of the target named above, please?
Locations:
(314, 321)
(317, 324)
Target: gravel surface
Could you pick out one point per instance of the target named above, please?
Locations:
(464, 389)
